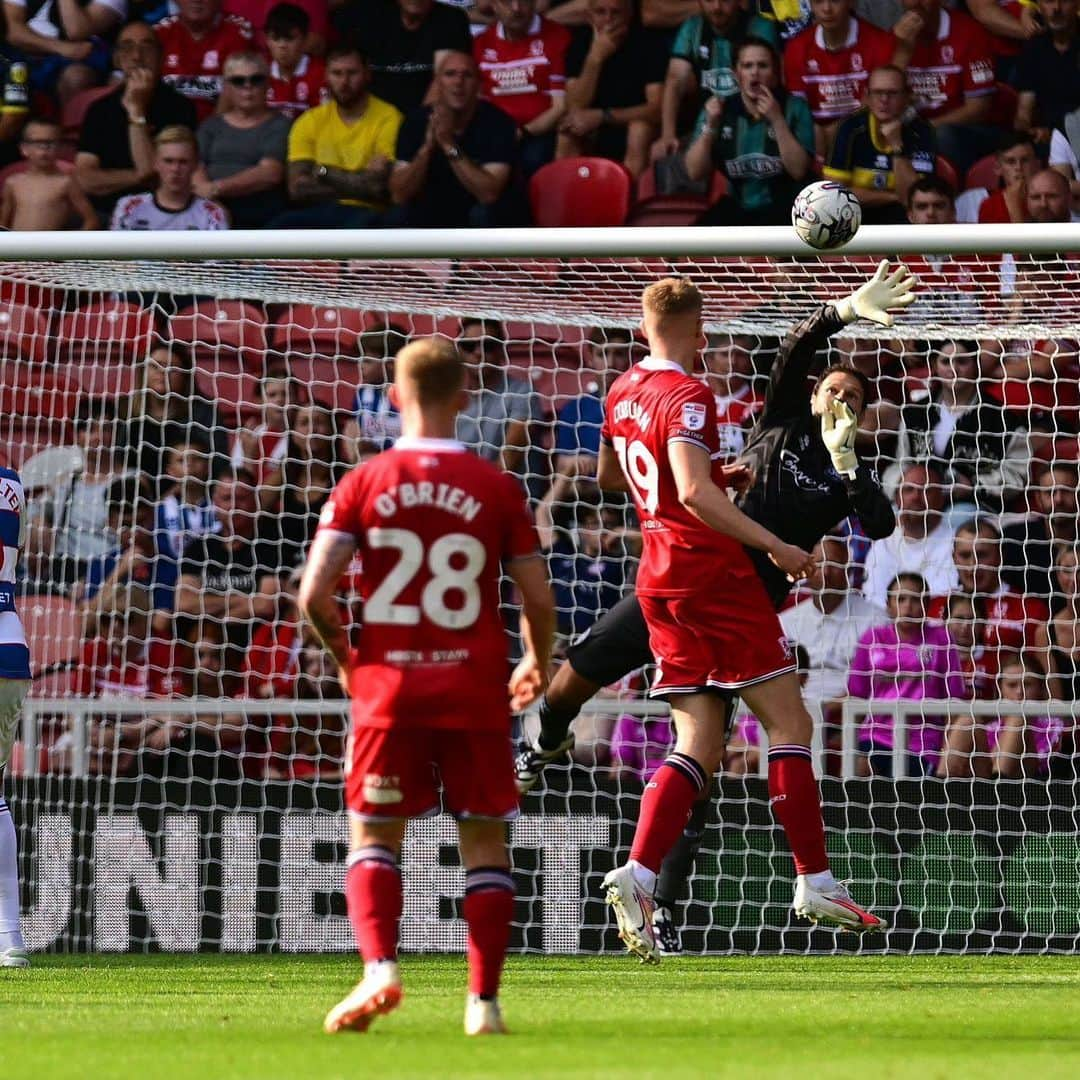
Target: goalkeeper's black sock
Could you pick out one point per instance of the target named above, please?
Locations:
(554, 724)
(679, 864)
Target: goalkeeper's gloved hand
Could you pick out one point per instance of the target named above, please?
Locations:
(839, 427)
(881, 292)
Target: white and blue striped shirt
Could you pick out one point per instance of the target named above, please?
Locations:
(14, 655)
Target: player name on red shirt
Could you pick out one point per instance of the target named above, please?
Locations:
(833, 81)
(192, 66)
(955, 65)
(432, 525)
(521, 76)
(648, 408)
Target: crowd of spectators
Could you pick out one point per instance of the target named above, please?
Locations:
(419, 113)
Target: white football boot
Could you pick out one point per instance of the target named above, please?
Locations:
(14, 958)
(483, 1017)
(378, 993)
(633, 909)
(834, 907)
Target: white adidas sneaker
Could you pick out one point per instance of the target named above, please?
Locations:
(834, 907)
(378, 993)
(633, 909)
(483, 1017)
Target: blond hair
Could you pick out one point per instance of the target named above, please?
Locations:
(176, 133)
(673, 297)
(433, 367)
(238, 59)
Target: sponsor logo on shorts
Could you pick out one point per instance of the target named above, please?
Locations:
(382, 790)
(788, 647)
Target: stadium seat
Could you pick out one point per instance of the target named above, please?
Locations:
(71, 120)
(983, 174)
(321, 331)
(108, 333)
(1003, 108)
(580, 192)
(330, 380)
(24, 333)
(948, 172)
(651, 208)
(54, 633)
(226, 335)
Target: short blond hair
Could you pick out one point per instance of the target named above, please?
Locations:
(433, 368)
(176, 133)
(672, 297)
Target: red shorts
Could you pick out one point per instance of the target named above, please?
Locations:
(704, 641)
(397, 773)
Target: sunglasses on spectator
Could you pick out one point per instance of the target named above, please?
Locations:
(246, 80)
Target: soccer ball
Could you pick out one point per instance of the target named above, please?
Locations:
(826, 215)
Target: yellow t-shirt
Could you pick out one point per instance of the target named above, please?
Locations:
(320, 135)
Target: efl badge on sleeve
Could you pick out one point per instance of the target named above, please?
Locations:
(693, 416)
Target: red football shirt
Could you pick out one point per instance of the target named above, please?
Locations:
(649, 407)
(433, 524)
(833, 81)
(735, 415)
(305, 89)
(193, 67)
(521, 76)
(956, 65)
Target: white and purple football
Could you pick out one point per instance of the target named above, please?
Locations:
(826, 215)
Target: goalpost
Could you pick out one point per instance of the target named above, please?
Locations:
(135, 833)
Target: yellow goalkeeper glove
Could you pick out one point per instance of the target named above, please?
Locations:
(883, 291)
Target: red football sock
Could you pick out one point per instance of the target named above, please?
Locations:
(665, 809)
(796, 804)
(489, 907)
(373, 895)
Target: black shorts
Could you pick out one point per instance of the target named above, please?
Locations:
(616, 644)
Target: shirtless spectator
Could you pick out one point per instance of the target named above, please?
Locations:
(116, 145)
(43, 198)
(173, 204)
(63, 42)
(196, 43)
(297, 79)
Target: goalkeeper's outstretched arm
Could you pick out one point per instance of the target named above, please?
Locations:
(800, 351)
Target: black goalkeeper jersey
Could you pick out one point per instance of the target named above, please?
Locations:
(797, 494)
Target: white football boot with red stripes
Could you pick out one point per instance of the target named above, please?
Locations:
(378, 993)
(834, 907)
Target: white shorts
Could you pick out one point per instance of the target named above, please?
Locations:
(12, 692)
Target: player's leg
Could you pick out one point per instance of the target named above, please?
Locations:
(666, 805)
(388, 779)
(374, 901)
(477, 772)
(12, 947)
(678, 865)
(796, 803)
(488, 909)
(616, 644)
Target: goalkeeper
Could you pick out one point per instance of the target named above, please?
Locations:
(804, 479)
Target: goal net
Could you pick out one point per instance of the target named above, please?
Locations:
(180, 407)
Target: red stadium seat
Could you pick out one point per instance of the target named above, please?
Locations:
(330, 380)
(71, 120)
(948, 172)
(983, 174)
(651, 208)
(580, 192)
(108, 333)
(223, 334)
(322, 331)
(54, 633)
(24, 333)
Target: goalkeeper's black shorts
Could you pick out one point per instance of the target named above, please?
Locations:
(615, 645)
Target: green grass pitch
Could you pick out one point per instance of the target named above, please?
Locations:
(218, 1018)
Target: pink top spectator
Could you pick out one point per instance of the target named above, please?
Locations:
(886, 667)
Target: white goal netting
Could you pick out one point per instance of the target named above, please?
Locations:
(178, 426)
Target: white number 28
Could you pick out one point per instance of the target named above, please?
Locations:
(641, 470)
(382, 606)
